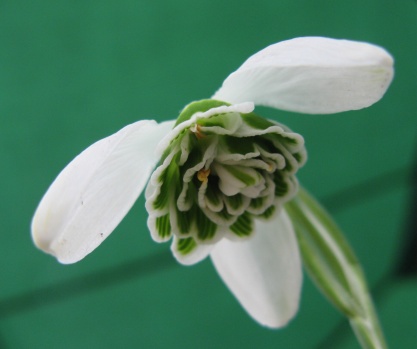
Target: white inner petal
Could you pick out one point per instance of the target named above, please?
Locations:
(230, 185)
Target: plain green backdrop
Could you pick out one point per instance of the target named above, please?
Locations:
(72, 72)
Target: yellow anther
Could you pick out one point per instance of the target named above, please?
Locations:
(203, 174)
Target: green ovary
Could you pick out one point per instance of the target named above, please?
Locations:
(225, 171)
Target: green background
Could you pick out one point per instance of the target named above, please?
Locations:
(72, 72)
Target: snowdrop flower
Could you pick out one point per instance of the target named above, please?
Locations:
(223, 173)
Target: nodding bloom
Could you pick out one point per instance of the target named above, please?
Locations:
(218, 176)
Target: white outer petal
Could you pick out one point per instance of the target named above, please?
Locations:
(94, 192)
(263, 272)
(312, 75)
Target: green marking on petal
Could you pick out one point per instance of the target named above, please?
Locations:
(257, 202)
(241, 174)
(300, 157)
(187, 196)
(174, 146)
(198, 106)
(193, 159)
(215, 120)
(225, 215)
(221, 218)
(281, 185)
(161, 200)
(206, 229)
(213, 194)
(243, 225)
(238, 145)
(265, 144)
(186, 246)
(170, 179)
(286, 139)
(163, 226)
(281, 149)
(234, 202)
(268, 212)
(185, 221)
(257, 121)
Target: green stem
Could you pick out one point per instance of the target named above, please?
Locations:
(334, 268)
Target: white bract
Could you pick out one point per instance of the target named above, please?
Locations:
(223, 172)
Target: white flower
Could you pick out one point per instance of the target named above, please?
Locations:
(212, 198)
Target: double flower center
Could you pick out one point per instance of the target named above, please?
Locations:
(222, 169)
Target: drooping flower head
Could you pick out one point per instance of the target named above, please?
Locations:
(223, 173)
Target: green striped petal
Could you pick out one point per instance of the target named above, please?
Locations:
(222, 168)
(187, 251)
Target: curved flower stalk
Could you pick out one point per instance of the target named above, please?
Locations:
(223, 173)
(334, 268)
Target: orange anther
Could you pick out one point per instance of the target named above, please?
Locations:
(203, 174)
(196, 129)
